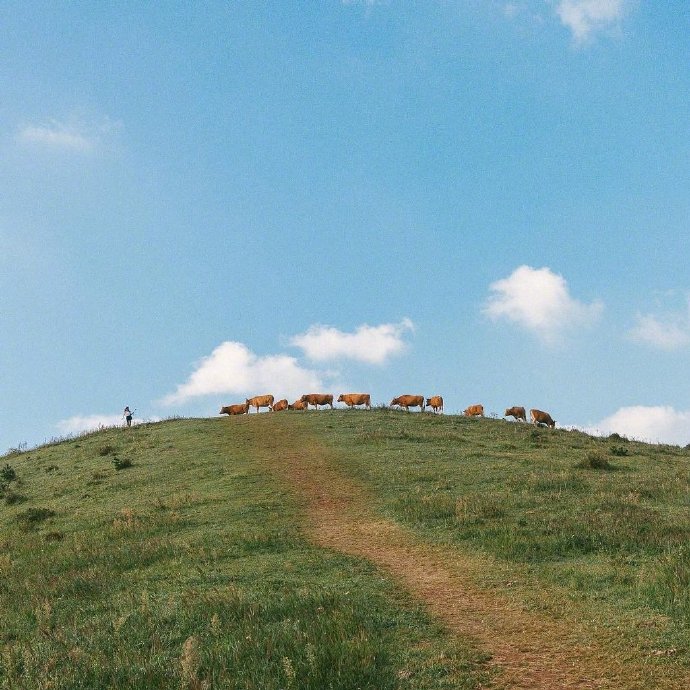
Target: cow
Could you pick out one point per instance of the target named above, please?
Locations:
(297, 405)
(435, 403)
(408, 401)
(516, 412)
(260, 401)
(538, 417)
(280, 405)
(317, 399)
(474, 411)
(353, 399)
(234, 409)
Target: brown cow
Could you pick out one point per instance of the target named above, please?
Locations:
(474, 411)
(435, 403)
(538, 417)
(408, 401)
(297, 405)
(352, 399)
(516, 412)
(280, 405)
(234, 409)
(260, 401)
(317, 399)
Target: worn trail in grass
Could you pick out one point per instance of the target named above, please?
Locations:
(529, 650)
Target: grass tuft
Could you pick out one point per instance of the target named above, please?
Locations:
(12, 497)
(669, 584)
(54, 535)
(595, 460)
(478, 508)
(31, 517)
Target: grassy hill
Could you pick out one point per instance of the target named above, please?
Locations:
(187, 553)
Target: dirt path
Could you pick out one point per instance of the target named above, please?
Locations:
(529, 650)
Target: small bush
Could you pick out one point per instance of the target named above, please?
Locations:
(619, 451)
(595, 461)
(31, 517)
(106, 450)
(7, 473)
(121, 463)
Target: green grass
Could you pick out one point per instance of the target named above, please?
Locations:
(188, 569)
(187, 566)
(576, 525)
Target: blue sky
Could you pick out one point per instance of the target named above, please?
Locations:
(486, 200)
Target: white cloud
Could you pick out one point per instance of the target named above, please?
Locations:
(233, 369)
(585, 17)
(539, 301)
(656, 424)
(668, 332)
(78, 138)
(369, 344)
(56, 137)
(82, 423)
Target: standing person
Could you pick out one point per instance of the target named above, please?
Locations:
(127, 414)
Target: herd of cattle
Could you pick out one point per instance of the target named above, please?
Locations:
(405, 402)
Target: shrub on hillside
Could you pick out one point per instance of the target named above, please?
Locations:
(619, 451)
(121, 463)
(7, 473)
(106, 450)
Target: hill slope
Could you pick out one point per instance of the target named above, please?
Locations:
(303, 550)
